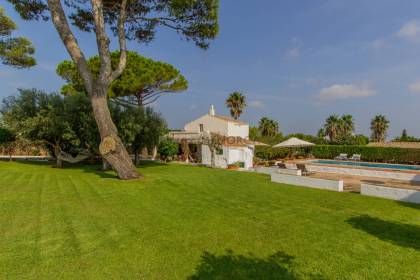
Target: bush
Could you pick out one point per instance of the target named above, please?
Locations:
(168, 148)
(373, 154)
(269, 153)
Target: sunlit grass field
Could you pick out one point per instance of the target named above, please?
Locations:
(184, 222)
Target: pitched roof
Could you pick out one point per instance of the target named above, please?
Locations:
(229, 119)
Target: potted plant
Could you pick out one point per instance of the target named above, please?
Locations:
(236, 165)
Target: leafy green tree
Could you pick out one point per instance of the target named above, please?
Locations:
(406, 138)
(141, 83)
(254, 133)
(140, 128)
(14, 51)
(133, 20)
(268, 127)
(7, 138)
(236, 102)
(321, 133)
(379, 127)
(62, 124)
(168, 148)
(6, 135)
(360, 139)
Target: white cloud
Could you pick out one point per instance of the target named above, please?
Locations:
(410, 30)
(346, 91)
(415, 87)
(293, 53)
(258, 104)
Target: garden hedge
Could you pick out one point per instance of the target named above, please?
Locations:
(373, 154)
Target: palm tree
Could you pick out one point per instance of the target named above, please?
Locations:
(236, 103)
(379, 126)
(332, 127)
(268, 127)
(347, 125)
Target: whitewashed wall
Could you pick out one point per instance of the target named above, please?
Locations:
(241, 154)
(230, 155)
(303, 181)
(210, 123)
(220, 160)
(241, 130)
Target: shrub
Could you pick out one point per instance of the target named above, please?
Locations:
(168, 148)
(373, 154)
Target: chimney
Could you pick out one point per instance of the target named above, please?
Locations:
(212, 112)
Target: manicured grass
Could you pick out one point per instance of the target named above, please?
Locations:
(183, 222)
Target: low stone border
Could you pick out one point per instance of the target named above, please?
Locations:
(273, 170)
(309, 182)
(399, 194)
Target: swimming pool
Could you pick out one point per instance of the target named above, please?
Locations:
(368, 164)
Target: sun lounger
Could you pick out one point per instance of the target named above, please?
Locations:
(281, 165)
(356, 157)
(341, 157)
(302, 167)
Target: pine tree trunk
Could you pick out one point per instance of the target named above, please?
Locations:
(111, 147)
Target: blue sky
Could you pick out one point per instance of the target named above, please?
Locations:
(296, 61)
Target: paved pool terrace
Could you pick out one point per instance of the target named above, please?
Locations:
(352, 182)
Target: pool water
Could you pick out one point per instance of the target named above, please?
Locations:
(368, 164)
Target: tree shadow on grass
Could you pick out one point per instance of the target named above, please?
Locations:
(150, 164)
(239, 267)
(410, 205)
(93, 168)
(405, 235)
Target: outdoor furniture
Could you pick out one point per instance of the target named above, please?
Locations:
(302, 167)
(356, 157)
(342, 157)
(292, 143)
(281, 165)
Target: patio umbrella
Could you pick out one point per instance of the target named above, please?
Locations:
(293, 143)
(256, 143)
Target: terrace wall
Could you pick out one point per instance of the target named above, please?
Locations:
(309, 182)
(399, 194)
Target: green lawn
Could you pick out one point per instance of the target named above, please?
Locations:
(183, 222)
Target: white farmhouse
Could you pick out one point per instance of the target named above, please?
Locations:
(235, 148)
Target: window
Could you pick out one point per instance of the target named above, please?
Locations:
(201, 127)
(219, 151)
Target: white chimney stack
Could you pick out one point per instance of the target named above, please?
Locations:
(212, 112)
